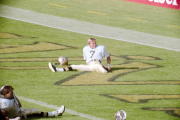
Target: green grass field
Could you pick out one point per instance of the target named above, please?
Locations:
(144, 81)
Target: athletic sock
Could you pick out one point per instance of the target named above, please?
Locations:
(60, 69)
(42, 114)
(50, 114)
(68, 69)
(64, 69)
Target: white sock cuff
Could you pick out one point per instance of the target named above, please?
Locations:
(50, 114)
(60, 69)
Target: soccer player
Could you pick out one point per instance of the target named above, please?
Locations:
(11, 108)
(93, 54)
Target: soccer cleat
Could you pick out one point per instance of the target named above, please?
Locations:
(120, 115)
(60, 111)
(52, 67)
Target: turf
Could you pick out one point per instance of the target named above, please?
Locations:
(117, 13)
(91, 93)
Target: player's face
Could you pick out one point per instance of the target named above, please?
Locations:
(10, 94)
(92, 44)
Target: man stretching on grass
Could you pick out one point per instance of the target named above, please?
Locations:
(11, 108)
(93, 54)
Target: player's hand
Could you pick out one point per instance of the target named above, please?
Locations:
(22, 113)
(17, 118)
(108, 67)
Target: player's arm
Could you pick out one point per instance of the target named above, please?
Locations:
(21, 112)
(105, 54)
(18, 102)
(108, 62)
(3, 116)
(84, 54)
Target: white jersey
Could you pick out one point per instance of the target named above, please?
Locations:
(97, 53)
(10, 105)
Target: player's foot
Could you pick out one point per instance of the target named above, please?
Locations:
(60, 111)
(120, 115)
(52, 67)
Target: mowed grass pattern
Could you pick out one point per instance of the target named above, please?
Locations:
(144, 81)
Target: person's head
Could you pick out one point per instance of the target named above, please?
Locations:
(92, 43)
(7, 91)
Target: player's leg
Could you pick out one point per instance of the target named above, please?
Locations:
(82, 67)
(73, 67)
(54, 69)
(38, 113)
(32, 111)
(97, 67)
(103, 69)
(58, 112)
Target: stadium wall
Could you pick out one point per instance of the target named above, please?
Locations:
(173, 4)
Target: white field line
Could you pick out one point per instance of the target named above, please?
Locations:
(156, 46)
(44, 104)
(90, 28)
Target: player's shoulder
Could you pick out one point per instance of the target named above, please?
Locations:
(86, 47)
(101, 47)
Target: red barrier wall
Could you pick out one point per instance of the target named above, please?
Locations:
(174, 4)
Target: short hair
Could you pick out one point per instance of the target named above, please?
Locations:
(91, 39)
(6, 89)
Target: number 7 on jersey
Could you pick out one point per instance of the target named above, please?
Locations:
(92, 53)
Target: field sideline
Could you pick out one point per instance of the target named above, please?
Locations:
(144, 79)
(88, 28)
